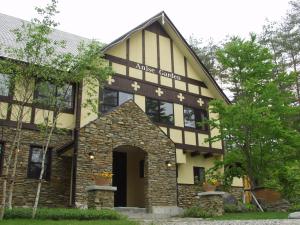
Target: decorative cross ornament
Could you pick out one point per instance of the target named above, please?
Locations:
(110, 80)
(200, 101)
(159, 92)
(180, 96)
(135, 86)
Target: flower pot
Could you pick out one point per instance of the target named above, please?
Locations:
(102, 181)
(209, 187)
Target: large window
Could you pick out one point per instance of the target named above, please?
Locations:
(199, 175)
(194, 117)
(1, 156)
(4, 84)
(48, 94)
(112, 98)
(35, 163)
(160, 111)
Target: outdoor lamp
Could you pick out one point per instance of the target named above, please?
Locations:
(91, 155)
(168, 163)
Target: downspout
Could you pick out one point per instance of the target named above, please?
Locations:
(76, 141)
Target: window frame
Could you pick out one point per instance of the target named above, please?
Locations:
(43, 106)
(47, 173)
(199, 181)
(10, 90)
(204, 127)
(118, 99)
(159, 107)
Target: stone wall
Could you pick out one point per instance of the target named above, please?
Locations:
(237, 192)
(55, 192)
(213, 204)
(188, 195)
(128, 125)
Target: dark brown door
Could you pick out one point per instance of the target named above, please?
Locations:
(120, 178)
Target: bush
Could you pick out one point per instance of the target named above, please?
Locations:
(294, 208)
(230, 208)
(63, 214)
(241, 207)
(196, 213)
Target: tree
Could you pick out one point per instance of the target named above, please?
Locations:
(54, 71)
(283, 38)
(257, 127)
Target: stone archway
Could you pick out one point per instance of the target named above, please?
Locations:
(128, 125)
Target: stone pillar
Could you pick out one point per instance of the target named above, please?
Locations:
(212, 202)
(100, 196)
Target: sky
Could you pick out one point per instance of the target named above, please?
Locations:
(109, 19)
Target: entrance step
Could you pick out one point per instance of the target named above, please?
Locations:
(130, 210)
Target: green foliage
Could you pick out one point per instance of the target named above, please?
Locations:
(196, 212)
(67, 222)
(63, 214)
(294, 208)
(240, 207)
(257, 129)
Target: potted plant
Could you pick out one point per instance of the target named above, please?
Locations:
(212, 180)
(103, 178)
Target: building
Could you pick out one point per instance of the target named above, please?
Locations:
(147, 134)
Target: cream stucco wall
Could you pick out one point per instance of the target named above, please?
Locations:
(135, 184)
(118, 50)
(90, 91)
(165, 53)
(135, 47)
(178, 61)
(185, 170)
(15, 113)
(3, 110)
(150, 49)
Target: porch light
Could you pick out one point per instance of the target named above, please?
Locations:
(91, 155)
(168, 163)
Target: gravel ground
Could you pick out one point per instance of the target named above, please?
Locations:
(189, 221)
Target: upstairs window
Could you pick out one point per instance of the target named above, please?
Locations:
(112, 98)
(35, 163)
(48, 94)
(193, 118)
(4, 84)
(160, 111)
(199, 175)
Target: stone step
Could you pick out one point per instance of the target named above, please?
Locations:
(130, 210)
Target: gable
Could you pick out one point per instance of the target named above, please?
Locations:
(163, 47)
(154, 56)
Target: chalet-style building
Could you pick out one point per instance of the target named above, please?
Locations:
(147, 134)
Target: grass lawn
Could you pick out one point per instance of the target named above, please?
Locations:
(252, 216)
(65, 222)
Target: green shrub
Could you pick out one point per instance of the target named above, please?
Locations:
(230, 208)
(241, 207)
(196, 213)
(294, 208)
(63, 214)
(249, 208)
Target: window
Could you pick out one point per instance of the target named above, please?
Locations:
(199, 175)
(192, 118)
(160, 111)
(35, 163)
(1, 156)
(4, 84)
(112, 99)
(63, 96)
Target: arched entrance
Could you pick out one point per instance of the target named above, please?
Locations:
(129, 176)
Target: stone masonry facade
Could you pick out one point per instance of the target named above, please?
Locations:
(56, 191)
(128, 125)
(188, 195)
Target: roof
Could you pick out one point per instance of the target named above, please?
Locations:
(8, 39)
(170, 28)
